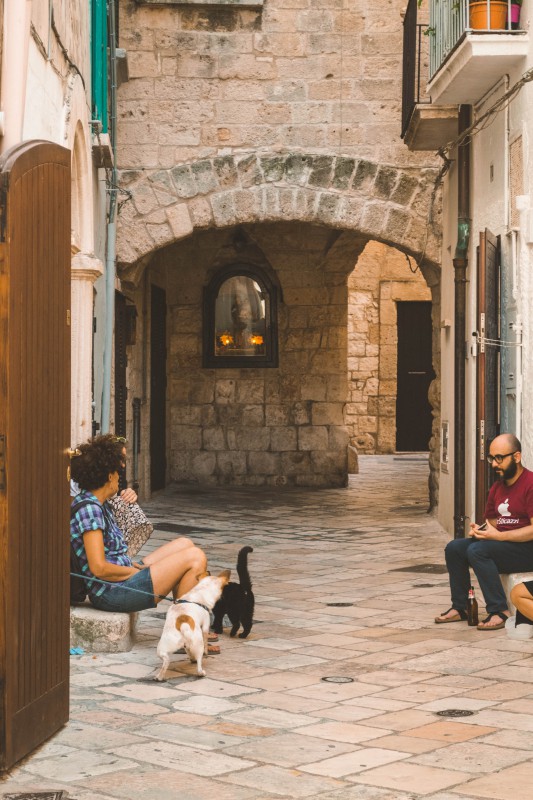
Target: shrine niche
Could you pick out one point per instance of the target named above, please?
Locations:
(240, 319)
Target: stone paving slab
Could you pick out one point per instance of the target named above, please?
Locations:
(263, 724)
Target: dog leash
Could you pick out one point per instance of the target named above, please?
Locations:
(192, 602)
(128, 588)
(140, 591)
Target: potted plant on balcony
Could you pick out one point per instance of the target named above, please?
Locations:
(515, 14)
(486, 16)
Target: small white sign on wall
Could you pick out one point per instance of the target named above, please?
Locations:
(444, 445)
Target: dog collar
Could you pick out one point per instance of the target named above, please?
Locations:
(176, 602)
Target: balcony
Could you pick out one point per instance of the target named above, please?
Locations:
(425, 126)
(471, 46)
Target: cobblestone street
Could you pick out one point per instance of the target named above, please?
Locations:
(347, 583)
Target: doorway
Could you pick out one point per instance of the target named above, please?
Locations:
(488, 361)
(415, 373)
(158, 388)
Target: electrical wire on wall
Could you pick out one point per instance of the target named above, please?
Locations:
(479, 125)
(417, 266)
(495, 342)
(110, 272)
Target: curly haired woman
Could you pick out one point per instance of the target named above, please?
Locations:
(100, 546)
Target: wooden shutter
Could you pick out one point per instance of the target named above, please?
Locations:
(488, 361)
(34, 436)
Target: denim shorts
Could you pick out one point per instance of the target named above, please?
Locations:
(121, 598)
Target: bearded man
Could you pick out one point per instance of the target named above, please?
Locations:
(503, 544)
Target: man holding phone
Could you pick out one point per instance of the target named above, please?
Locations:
(502, 544)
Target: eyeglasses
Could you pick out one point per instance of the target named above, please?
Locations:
(498, 458)
(121, 439)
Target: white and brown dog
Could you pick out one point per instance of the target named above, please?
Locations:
(187, 621)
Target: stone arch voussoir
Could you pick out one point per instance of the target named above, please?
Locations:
(381, 202)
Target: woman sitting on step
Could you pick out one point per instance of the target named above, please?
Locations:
(109, 573)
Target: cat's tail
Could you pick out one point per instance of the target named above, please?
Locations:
(242, 568)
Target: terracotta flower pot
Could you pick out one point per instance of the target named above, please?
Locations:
(515, 16)
(480, 19)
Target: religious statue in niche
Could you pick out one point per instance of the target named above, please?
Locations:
(240, 314)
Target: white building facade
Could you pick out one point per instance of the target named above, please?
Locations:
(478, 82)
(46, 94)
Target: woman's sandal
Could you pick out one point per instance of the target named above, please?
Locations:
(460, 616)
(500, 614)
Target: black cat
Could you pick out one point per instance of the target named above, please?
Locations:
(237, 600)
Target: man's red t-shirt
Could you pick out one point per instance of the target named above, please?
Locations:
(511, 506)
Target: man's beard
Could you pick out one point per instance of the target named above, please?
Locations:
(509, 473)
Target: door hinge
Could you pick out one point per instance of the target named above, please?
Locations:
(4, 186)
(2, 462)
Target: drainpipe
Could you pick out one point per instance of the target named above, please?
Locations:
(460, 264)
(14, 70)
(111, 252)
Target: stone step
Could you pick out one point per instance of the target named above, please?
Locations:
(101, 631)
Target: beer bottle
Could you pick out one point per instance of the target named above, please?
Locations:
(471, 608)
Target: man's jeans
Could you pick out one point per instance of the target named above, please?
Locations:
(487, 558)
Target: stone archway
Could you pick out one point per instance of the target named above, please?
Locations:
(352, 201)
(384, 203)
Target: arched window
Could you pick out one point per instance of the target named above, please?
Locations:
(240, 319)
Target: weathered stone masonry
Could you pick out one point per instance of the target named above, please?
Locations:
(277, 426)
(280, 123)
(380, 279)
(267, 426)
(383, 203)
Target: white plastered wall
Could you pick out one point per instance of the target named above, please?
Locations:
(490, 206)
(86, 267)
(15, 29)
(44, 99)
(449, 240)
(54, 105)
(521, 122)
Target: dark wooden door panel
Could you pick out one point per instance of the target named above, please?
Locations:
(415, 373)
(488, 361)
(35, 429)
(158, 388)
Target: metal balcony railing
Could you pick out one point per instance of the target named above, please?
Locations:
(415, 55)
(450, 20)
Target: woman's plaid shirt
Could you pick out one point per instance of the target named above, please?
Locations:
(91, 515)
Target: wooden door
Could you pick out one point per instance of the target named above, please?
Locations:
(34, 437)
(415, 373)
(158, 388)
(488, 361)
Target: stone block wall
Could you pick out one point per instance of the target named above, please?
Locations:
(280, 117)
(278, 426)
(380, 279)
(211, 79)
